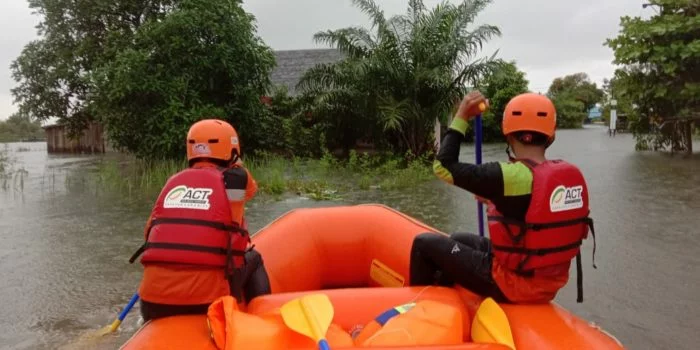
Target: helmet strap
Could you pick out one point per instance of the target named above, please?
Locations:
(509, 153)
(234, 158)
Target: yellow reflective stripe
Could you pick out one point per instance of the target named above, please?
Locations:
(403, 308)
(442, 173)
(459, 125)
(517, 179)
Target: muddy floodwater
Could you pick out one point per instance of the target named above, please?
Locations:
(64, 243)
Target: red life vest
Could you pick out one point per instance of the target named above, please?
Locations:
(191, 224)
(556, 223)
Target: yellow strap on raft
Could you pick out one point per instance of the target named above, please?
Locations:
(491, 325)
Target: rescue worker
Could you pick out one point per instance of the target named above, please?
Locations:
(196, 244)
(537, 211)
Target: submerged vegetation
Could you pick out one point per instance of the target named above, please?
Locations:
(10, 176)
(326, 178)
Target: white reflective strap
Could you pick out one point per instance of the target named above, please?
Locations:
(235, 195)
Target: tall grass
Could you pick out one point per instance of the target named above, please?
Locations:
(321, 179)
(136, 175)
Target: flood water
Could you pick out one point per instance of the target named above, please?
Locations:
(64, 243)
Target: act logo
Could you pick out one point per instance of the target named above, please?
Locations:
(188, 198)
(566, 198)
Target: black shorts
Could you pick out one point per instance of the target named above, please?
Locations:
(461, 258)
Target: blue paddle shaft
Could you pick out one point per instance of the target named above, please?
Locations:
(128, 307)
(477, 140)
(323, 345)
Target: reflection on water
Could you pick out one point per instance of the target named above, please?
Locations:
(64, 243)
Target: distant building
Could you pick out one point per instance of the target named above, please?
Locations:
(92, 140)
(595, 112)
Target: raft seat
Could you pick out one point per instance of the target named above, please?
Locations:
(355, 307)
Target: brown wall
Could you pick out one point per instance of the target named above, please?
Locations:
(91, 141)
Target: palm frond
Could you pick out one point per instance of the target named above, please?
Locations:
(392, 113)
(401, 27)
(471, 73)
(321, 77)
(467, 11)
(370, 8)
(475, 40)
(415, 8)
(353, 42)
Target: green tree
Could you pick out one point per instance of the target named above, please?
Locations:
(500, 87)
(19, 127)
(574, 95)
(343, 103)
(570, 111)
(202, 60)
(53, 72)
(661, 64)
(290, 125)
(406, 72)
(579, 87)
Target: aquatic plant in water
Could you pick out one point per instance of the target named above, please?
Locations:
(319, 179)
(9, 176)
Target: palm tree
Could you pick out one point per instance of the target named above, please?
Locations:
(405, 71)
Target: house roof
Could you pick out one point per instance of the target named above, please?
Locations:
(292, 64)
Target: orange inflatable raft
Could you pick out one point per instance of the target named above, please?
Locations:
(358, 256)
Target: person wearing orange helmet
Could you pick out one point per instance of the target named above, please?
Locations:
(537, 211)
(196, 241)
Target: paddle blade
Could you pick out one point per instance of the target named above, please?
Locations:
(491, 325)
(91, 339)
(111, 328)
(310, 315)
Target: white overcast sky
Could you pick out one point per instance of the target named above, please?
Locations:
(547, 38)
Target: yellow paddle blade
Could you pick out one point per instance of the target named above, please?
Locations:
(310, 315)
(491, 325)
(111, 328)
(90, 339)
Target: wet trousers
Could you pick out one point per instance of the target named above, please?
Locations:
(461, 258)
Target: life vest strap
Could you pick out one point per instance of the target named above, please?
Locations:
(544, 251)
(579, 279)
(538, 252)
(197, 222)
(540, 226)
(194, 247)
(525, 226)
(180, 246)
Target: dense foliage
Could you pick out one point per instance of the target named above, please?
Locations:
(202, 60)
(403, 75)
(661, 69)
(20, 128)
(146, 68)
(574, 95)
(500, 87)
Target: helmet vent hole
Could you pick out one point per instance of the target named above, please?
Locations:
(190, 141)
(213, 141)
(517, 113)
(541, 114)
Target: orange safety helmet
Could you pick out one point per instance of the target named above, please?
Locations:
(212, 138)
(530, 112)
